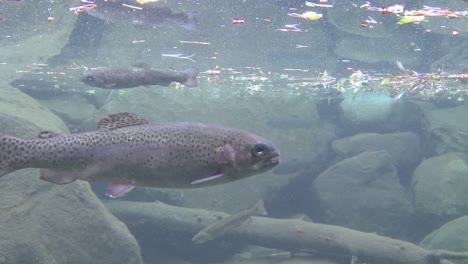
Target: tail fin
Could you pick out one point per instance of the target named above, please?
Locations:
(260, 208)
(8, 144)
(191, 77)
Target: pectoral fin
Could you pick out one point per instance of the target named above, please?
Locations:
(202, 180)
(117, 190)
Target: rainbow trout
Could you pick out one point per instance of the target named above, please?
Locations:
(140, 74)
(128, 151)
(225, 225)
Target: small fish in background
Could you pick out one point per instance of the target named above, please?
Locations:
(128, 151)
(139, 75)
(149, 16)
(225, 225)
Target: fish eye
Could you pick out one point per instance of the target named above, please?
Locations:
(90, 78)
(259, 150)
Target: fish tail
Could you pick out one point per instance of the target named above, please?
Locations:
(191, 77)
(260, 208)
(8, 153)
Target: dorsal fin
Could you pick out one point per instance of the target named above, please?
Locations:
(47, 134)
(119, 120)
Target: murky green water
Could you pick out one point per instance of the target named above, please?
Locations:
(365, 100)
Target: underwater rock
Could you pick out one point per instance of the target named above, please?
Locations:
(355, 16)
(367, 112)
(376, 50)
(446, 130)
(48, 223)
(450, 236)
(380, 42)
(404, 147)
(364, 192)
(309, 145)
(74, 109)
(440, 185)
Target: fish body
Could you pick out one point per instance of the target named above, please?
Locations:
(128, 151)
(128, 77)
(227, 224)
(117, 12)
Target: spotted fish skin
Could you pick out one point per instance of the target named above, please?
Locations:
(128, 151)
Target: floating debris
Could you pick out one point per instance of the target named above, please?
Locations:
(309, 15)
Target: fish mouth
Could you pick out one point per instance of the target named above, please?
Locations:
(275, 160)
(272, 162)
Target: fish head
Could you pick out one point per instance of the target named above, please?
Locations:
(252, 155)
(103, 78)
(93, 79)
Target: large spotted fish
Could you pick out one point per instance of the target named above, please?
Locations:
(128, 151)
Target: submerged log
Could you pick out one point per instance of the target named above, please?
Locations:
(291, 235)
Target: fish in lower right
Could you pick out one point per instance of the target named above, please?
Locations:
(129, 151)
(226, 225)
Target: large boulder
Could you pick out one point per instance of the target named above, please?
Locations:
(364, 110)
(373, 43)
(372, 112)
(377, 50)
(364, 192)
(445, 130)
(450, 236)
(403, 147)
(23, 116)
(265, 114)
(440, 185)
(355, 16)
(46, 223)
